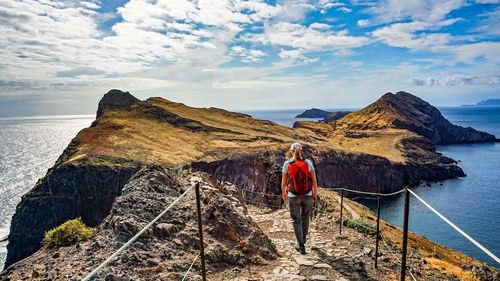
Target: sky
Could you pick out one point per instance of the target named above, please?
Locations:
(60, 57)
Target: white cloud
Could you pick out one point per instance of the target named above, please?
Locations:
(404, 35)
(297, 36)
(489, 23)
(363, 23)
(344, 10)
(469, 53)
(44, 39)
(317, 25)
(388, 11)
(90, 5)
(456, 80)
(328, 4)
(251, 84)
(488, 1)
(295, 55)
(247, 55)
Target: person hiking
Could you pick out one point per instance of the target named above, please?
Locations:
(299, 188)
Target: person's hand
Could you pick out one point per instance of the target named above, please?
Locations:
(284, 196)
(314, 195)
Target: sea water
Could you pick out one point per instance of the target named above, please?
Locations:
(28, 147)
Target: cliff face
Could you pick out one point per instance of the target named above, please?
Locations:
(166, 250)
(405, 111)
(66, 192)
(129, 134)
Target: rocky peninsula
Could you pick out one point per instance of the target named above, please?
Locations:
(139, 155)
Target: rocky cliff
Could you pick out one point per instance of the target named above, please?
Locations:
(406, 111)
(129, 134)
(165, 251)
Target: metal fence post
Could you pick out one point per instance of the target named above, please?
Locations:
(378, 230)
(200, 233)
(341, 208)
(405, 233)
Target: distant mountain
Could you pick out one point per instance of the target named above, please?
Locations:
(488, 102)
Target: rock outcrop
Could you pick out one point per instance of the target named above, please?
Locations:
(406, 111)
(66, 192)
(165, 251)
(129, 134)
(116, 99)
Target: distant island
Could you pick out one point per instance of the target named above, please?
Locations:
(486, 103)
(326, 116)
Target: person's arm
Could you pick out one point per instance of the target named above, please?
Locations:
(314, 185)
(284, 183)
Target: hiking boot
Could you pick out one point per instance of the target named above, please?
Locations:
(301, 249)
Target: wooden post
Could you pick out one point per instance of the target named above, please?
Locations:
(405, 234)
(341, 208)
(200, 234)
(378, 230)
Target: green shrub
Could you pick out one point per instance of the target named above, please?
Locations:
(68, 233)
(361, 226)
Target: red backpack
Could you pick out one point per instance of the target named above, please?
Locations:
(299, 178)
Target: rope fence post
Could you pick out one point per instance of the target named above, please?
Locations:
(341, 208)
(200, 233)
(405, 233)
(378, 230)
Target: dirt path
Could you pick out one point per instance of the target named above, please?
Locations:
(330, 256)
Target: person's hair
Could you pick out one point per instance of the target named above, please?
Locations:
(297, 154)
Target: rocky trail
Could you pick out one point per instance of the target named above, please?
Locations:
(330, 256)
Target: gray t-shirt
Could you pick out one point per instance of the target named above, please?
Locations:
(285, 170)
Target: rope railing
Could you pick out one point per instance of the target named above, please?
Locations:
(394, 255)
(136, 236)
(373, 193)
(189, 269)
(404, 267)
(454, 226)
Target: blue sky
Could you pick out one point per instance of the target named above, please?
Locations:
(58, 56)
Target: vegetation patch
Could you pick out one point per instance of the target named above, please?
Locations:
(361, 225)
(68, 233)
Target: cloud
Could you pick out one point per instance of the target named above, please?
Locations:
(363, 23)
(388, 11)
(285, 34)
(317, 25)
(80, 71)
(456, 80)
(344, 10)
(247, 55)
(488, 1)
(404, 35)
(251, 84)
(482, 51)
(295, 55)
(489, 23)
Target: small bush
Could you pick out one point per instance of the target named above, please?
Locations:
(361, 226)
(68, 233)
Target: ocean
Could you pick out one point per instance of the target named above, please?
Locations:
(31, 145)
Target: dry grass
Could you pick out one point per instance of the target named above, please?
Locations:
(451, 269)
(132, 135)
